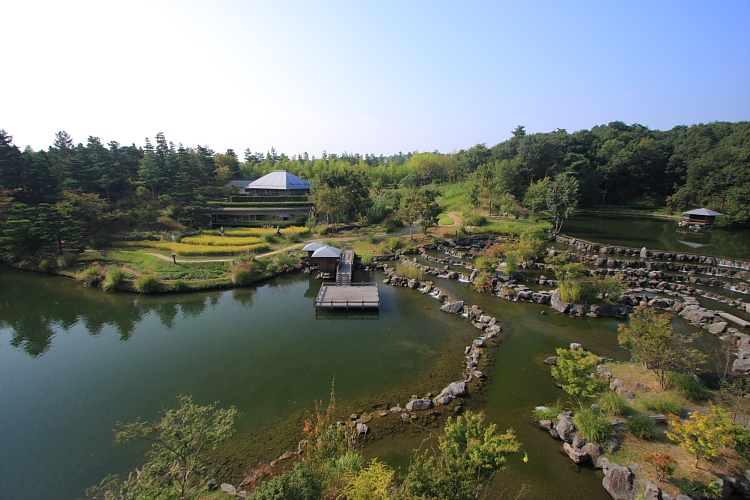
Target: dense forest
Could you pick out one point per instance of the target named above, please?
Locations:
(615, 164)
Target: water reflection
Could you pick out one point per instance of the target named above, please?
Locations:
(33, 320)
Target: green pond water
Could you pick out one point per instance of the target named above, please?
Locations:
(658, 234)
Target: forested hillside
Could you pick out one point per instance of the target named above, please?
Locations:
(614, 164)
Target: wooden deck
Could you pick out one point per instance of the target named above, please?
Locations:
(353, 296)
(347, 295)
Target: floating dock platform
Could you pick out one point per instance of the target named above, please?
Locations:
(347, 295)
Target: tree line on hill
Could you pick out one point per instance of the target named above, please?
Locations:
(614, 164)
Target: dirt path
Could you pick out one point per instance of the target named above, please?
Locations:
(457, 220)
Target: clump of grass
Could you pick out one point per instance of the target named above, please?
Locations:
(115, 277)
(293, 238)
(243, 257)
(47, 265)
(92, 276)
(67, 260)
(641, 427)
(550, 413)
(687, 386)
(614, 404)
(592, 425)
(394, 243)
(667, 404)
(179, 286)
(694, 489)
(147, 283)
(370, 238)
(268, 238)
(242, 274)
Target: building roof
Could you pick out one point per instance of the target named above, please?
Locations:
(311, 247)
(327, 251)
(702, 211)
(240, 183)
(279, 179)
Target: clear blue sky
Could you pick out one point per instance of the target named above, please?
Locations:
(367, 77)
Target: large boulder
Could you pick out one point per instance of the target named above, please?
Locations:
(651, 492)
(419, 404)
(453, 307)
(741, 366)
(557, 304)
(443, 399)
(620, 482)
(576, 455)
(717, 328)
(565, 427)
(229, 489)
(594, 452)
(456, 389)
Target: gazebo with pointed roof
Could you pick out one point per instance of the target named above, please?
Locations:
(279, 183)
(702, 217)
(326, 258)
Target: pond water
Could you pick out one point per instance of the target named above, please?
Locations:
(73, 362)
(657, 234)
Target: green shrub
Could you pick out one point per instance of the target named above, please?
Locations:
(47, 265)
(592, 425)
(641, 427)
(688, 386)
(293, 238)
(67, 260)
(147, 283)
(551, 413)
(242, 274)
(92, 276)
(115, 277)
(614, 404)
(476, 220)
(300, 483)
(179, 286)
(666, 405)
(370, 238)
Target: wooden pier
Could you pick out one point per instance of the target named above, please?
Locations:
(343, 294)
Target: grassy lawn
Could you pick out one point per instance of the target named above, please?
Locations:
(142, 263)
(453, 197)
(445, 219)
